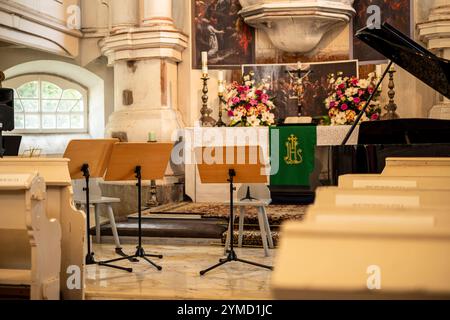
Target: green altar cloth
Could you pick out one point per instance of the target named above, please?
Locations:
(295, 154)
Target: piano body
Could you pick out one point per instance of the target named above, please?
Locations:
(379, 140)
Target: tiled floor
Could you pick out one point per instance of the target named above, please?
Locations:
(180, 277)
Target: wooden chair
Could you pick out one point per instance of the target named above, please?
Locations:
(254, 195)
(96, 199)
(30, 242)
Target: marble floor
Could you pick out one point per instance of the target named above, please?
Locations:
(180, 277)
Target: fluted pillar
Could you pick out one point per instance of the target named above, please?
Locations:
(436, 34)
(157, 12)
(124, 13)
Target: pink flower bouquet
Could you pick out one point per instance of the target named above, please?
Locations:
(249, 105)
(347, 97)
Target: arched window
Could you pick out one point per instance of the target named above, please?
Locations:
(48, 104)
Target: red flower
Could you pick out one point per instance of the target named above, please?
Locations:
(344, 107)
(375, 117)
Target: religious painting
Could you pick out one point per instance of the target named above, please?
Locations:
(397, 13)
(304, 96)
(218, 29)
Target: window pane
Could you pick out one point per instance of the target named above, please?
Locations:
(30, 105)
(29, 90)
(49, 105)
(32, 121)
(77, 121)
(63, 121)
(79, 107)
(66, 105)
(18, 106)
(49, 121)
(19, 121)
(15, 94)
(71, 94)
(50, 90)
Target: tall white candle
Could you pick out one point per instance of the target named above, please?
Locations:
(379, 70)
(220, 75)
(204, 62)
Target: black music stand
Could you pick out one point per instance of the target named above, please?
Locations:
(140, 161)
(88, 159)
(240, 170)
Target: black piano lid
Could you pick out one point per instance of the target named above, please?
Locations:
(409, 55)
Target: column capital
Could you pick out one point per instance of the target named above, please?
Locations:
(435, 32)
(144, 43)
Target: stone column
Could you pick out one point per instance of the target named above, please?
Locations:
(145, 60)
(157, 12)
(124, 13)
(436, 34)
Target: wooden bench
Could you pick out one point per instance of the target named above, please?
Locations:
(382, 198)
(336, 261)
(59, 205)
(375, 181)
(30, 242)
(426, 167)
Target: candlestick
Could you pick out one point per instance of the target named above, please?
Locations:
(206, 119)
(391, 107)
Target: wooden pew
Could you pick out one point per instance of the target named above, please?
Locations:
(336, 197)
(375, 181)
(426, 167)
(338, 261)
(59, 204)
(427, 218)
(30, 242)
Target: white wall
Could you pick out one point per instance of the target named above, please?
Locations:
(56, 143)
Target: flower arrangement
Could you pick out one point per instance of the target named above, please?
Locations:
(347, 97)
(249, 105)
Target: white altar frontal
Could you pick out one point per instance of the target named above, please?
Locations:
(196, 137)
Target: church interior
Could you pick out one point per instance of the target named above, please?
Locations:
(224, 149)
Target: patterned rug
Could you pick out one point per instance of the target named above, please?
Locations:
(277, 214)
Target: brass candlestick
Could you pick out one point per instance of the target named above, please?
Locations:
(206, 119)
(391, 107)
(220, 122)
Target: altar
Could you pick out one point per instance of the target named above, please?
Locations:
(196, 137)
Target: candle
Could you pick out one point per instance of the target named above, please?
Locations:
(378, 72)
(152, 136)
(299, 65)
(204, 62)
(221, 82)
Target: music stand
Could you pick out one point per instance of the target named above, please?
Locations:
(88, 159)
(140, 161)
(235, 170)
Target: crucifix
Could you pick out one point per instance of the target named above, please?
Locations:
(297, 76)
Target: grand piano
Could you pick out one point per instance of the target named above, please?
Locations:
(403, 137)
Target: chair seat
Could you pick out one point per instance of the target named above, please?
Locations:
(15, 277)
(102, 200)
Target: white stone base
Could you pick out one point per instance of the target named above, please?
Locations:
(138, 123)
(441, 111)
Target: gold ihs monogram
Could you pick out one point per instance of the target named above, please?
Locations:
(293, 152)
